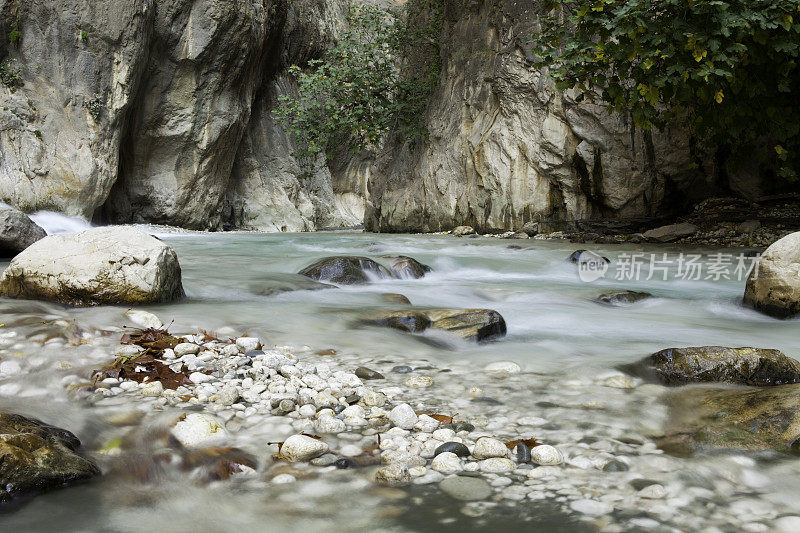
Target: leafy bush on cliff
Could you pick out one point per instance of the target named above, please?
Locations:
(728, 66)
(374, 81)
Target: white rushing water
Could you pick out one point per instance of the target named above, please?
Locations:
(556, 333)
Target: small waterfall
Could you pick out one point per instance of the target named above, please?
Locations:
(53, 222)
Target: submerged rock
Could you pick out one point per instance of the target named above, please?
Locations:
(766, 418)
(670, 233)
(466, 488)
(393, 298)
(37, 457)
(111, 265)
(774, 287)
(469, 324)
(575, 256)
(406, 267)
(346, 270)
(279, 283)
(618, 298)
(17, 231)
(744, 366)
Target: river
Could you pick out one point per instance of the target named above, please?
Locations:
(565, 343)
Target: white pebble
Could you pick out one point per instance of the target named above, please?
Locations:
(302, 448)
(502, 367)
(247, 343)
(419, 382)
(487, 447)
(497, 464)
(446, 463)
(591, 507)
(196, 429)
(546, 455)
(403, 416)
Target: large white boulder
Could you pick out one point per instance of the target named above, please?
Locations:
(110, 265)
(17, 231)
(774, 288)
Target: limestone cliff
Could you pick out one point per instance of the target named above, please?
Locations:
(506, 148)
(154, 111)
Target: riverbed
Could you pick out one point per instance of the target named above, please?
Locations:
(568, 347)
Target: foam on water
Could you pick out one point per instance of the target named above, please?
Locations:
(56, 223)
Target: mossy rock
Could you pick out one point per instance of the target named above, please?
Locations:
(37, 457)
(705, 364)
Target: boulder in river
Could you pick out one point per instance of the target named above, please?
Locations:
(469, 324)
(346, 270)
(774, 287)
(670, 233)
(460, 231)
(531, 228)
(406, 267)
(394, 298)
(767, 418)
(618, 298)
(37, 457)
(110, 265)
(704, 364)
(17, 231)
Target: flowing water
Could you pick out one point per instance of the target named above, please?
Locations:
(561, 338)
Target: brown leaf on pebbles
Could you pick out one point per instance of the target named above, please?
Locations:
(145, 369)
(221, 462)
(209, 336)
(530, 443)
(442, 419)
(153, 340)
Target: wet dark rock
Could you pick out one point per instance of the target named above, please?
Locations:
(460, 426)
(622, 297)
(353, 398)
(17, 231)
(523, 453)
(345, 463)
(405, 267)
(345, 270)
(254, 353)
(453, 447)
(393, 298)
(37, 457)
(615, 466)
(366, 373)
(469, 324)
(744, 366)
(401, 369)
(409, 321)
(338, 408)
(575, 256)
(642, 483)
(753, 419)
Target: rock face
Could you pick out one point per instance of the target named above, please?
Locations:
(346, 270)
(744, 366)
(152, 111)
(733, 418)
(17, 231)
(469, 324)
(774, 287)
(506, 148)
(38, 457)
(114, 265)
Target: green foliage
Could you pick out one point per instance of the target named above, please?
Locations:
(10, 74)
(14, 37)
(375, 80)
(84, 36)
(729, 67)
(38, 134)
